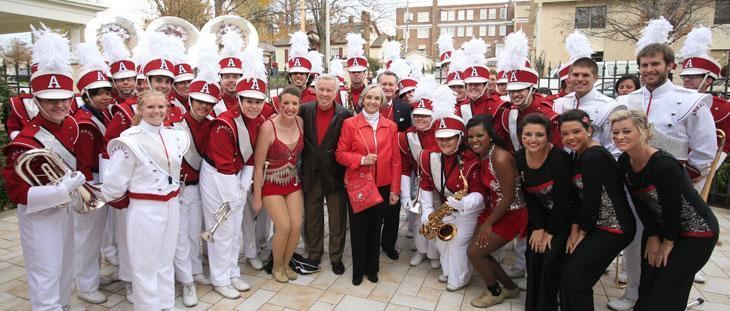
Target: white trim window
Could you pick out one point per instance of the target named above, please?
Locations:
(503, 30)
(470, 15)
(483, 31)
(423, 17)
(444, 16)
(469, 31)
(461, 15)
(460, 31)
(482, 13)
(492, 30)
(492, 13)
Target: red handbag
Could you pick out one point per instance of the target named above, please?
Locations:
(362, 190)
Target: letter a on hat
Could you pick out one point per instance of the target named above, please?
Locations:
(163, 65)
(513, 77)
(296, 63)
(442, 124)
(255, 85)
(204, 89)
(53, 83)
(122, 67)
(181, 69)
(689, 63)
(474, 72)
(231, 63)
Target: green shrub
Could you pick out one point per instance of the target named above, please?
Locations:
(4, 139)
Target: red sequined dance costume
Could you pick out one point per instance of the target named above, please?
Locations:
(514, 221)
(280, 177)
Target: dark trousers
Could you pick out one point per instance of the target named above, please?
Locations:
(667, 288)
(543, 273)
(314, 221)
(365, 237)
(584, 267)
(391, 220)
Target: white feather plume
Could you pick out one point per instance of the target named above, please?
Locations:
(458, 61)
(697, 43)
(475, 51)
(445, 43)
(426, 86)
(160, 45)
(299, 45)
(316, 58)
(141, 56)
(355, 44)
(391, 50)
(578, 45)
(515, 51)
(89, 58)
(232, 44)
(416, 69)
(254, 68)
(114, 47)
(51, 51)
(444, 102)
(207, 61)
(401, 68)
(656, 31)
(336, 68)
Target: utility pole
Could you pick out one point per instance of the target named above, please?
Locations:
(407, 20)
(327, 34)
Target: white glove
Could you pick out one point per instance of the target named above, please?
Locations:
(449, 219)
(405, 192)
(424, 216)
(405, 203)
(71, 181)
(456, 204)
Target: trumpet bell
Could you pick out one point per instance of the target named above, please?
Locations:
(125, 28)
(416, 207)
(223, 24)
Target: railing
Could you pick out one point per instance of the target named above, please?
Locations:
(16, 76)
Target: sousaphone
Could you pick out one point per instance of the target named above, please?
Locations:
(223, 24)
(126, 29)
(176, 27)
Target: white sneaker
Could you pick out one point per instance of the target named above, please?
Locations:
(513, 273)
(227, 291)
(130, 292)
(522, 284)
(201, 279)
(190, 295)
(417, 259)
(621, 304)
(699, 277)
(95, 297)
(435, 263)
(240, 285)
(443, 278)
(453, 288)
(255, 263)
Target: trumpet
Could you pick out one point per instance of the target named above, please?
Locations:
(40, 167)
(220, 216)
(416, 206)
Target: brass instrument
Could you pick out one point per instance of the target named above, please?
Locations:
(221, 214)
(715, 163)
(435, 226)
(221, 25)
(416, 206)
(52, 169)
(176, 27)
(123, 27)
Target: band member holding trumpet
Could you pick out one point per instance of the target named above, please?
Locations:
(680, 230)
(452, 193)
(505, 216)
(93, 83)
(368, 143)
(412, 142)
(226, 177)
(276, 183)
(44, 195)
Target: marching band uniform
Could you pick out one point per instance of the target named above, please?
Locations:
(144, 168)
(183, 73)
(23, 110)
(440, 180)
(89, 228)
(46, 226)
(356, 62)
(599, 108)
(683, 125)
(412, 143)
(487, 104)
(720, 112)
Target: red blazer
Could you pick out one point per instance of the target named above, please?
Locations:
(351, 149)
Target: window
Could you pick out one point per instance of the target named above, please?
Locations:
(721, 9)
(407, 17)
(460, 31)
(469, 15)
(335, 52)
(469, 31)
(492, 30)
(422, 33)
(423, 17)
(444, 16)
(482, 31)
(590, 17)
(482, 13)
(503, 13)
(492, 13)
(461, 15)
(452, 16)
(503, 30)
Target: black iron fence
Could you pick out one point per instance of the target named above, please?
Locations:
(16, 76)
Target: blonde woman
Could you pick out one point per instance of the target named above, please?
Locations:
(144, 168)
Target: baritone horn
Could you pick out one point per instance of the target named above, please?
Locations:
(715, 163)
(221, 25)
(40, 167)
(121, 26)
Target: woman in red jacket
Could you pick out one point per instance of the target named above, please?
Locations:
(368, 143)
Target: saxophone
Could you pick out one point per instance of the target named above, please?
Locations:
(435, 226)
